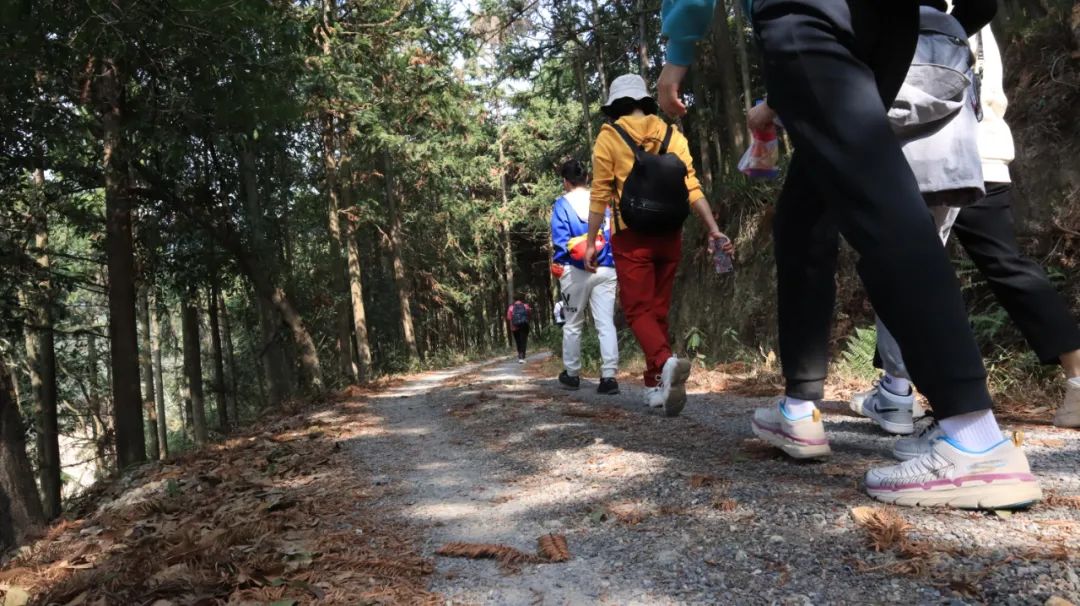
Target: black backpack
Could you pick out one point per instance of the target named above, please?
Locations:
(519, 316)
(654, 198)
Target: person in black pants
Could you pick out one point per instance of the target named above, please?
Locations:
(986, 232)
(832, 67)
(517, 318)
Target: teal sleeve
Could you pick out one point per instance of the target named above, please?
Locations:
(684, 23)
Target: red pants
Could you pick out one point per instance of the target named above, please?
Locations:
(645, 266)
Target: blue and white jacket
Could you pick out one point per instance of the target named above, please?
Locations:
(569, 227)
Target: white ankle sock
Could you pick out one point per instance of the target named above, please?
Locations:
(975, 431)
(896, 385)
(797, 409)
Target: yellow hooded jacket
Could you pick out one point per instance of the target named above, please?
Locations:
(613, 159)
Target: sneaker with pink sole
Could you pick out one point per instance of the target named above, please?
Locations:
(950, 476)
(800, 437)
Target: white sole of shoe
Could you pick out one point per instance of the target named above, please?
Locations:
(676, 399)
(897, 429)
(999, 495)
(793, 449)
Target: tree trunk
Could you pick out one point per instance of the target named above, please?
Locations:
(273, 304)
(226, 327)
(93, 405)
(261, 271)
(356, 291)
(401, 280)
(123, 333)
(159, 383)
(41, 358)
(21, 513)
(583, 90)
(734, 123)
(193, 366)
(508, 247)
(744, 60)
(219, 362)
(146, 364)
(643, 41)
(600, 67)
(337, 265)
(701, 129)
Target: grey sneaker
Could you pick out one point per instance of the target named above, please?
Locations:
(916, 446)
(1068, 414)
(890, 411)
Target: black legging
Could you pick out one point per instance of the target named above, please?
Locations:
(521, 339)
(832, 67)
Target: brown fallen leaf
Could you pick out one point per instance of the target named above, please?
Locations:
(553, 548)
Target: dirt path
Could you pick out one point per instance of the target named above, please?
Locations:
(690, 510)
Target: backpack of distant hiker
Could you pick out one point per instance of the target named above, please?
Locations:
(654, 198)
(519, 316)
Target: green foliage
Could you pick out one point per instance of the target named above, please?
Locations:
(858, 355)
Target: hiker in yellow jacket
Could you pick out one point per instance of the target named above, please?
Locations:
(647, 237)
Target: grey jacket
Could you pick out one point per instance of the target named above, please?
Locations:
(935, 114)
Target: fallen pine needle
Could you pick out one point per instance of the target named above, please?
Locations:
(486, 551)
(553, 548)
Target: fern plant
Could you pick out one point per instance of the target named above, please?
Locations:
(858, 356)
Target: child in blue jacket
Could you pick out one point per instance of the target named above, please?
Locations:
(569, 225)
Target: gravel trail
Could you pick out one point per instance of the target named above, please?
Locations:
(691, 510)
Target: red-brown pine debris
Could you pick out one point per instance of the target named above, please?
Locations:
(505, 554)
(265, 516)
(553, 548)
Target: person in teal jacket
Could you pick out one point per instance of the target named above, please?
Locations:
(832, 68)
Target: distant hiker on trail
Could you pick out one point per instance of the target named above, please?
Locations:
(580, 288)
(985, 230)
(517, 318)
(832, 67)
(642, 168)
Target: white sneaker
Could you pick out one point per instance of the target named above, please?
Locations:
(1068, 414)
(891, 412)
(673, 385)
(908, 448)
(800, 438)
(947, 475)
(653, 397)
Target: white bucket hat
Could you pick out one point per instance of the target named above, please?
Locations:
(627, 85)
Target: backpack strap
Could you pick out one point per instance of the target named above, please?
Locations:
(667, 140)
(637, 149)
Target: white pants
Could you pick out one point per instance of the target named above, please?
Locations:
(892, 361)
(581, 288)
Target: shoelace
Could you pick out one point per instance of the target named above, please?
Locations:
(926, 467)
(929, 429)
